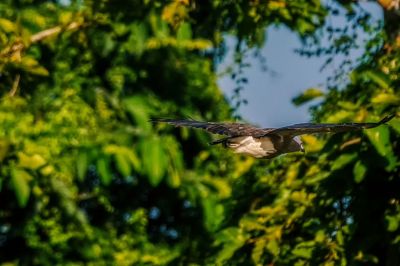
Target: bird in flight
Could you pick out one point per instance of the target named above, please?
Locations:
(267, 143)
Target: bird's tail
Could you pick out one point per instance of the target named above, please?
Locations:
(218, 141)
(386, 119)
(383, 121)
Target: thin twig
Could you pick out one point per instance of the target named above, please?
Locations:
(17, 46)
(15, 86)
(350, 142)
(53, 31)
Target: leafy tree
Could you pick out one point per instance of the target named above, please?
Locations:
(86, 179)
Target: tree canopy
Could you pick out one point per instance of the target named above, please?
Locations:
(85, 179)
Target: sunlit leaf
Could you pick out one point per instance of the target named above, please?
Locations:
(313, 144)
(380, 139)
(133, 159)
(7, 25)
(308, 95)
(395, 124)
(339, 116)
(154, 159)
(29, 64)
(386, 98)
(273, 247)
(258, 250)
(30, 161)
(232, 239)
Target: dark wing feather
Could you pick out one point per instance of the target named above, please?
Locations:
(309, 128)
(227, 129)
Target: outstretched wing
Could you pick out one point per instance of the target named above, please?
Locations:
(227, 129)
(309, 128)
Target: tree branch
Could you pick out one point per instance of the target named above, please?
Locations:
(17, 46)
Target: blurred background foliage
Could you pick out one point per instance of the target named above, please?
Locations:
(85, 179)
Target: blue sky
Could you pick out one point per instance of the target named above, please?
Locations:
(269, 96)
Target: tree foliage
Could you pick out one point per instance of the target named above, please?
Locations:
(86, 179)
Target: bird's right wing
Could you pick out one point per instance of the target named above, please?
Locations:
(310, 128)
(227, 129)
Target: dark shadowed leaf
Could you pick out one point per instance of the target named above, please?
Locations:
(359, 171)
(82, 165)
(103, 168)
(378, 77)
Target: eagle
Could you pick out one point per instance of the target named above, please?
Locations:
(266, 143)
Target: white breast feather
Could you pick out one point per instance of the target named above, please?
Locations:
(252, 146)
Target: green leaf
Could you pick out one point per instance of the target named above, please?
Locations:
(20, 183)
(315, 178)
(232, 239)
(32, 162)
(395, 124)
(30, 65)
(154, 159)
(258, 250)
(159, 27)
(103, 168)
(343, 160)
(82, 164)
(393, 222)
(139, 110)
(136, 43)
(273, 247)
(339, 237)
(7, 25)
(133, 159)
(378, 77)
(213, 213)
(173, 179)
(306, 96)
(339, 116)
(359, 171)
(380, 139)
(304, 249)
(184, 32)
(123, 165)
(386, 98)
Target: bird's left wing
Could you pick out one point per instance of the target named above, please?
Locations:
(310, 128)
(227, 129)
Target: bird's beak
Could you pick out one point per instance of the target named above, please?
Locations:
(302, 149)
